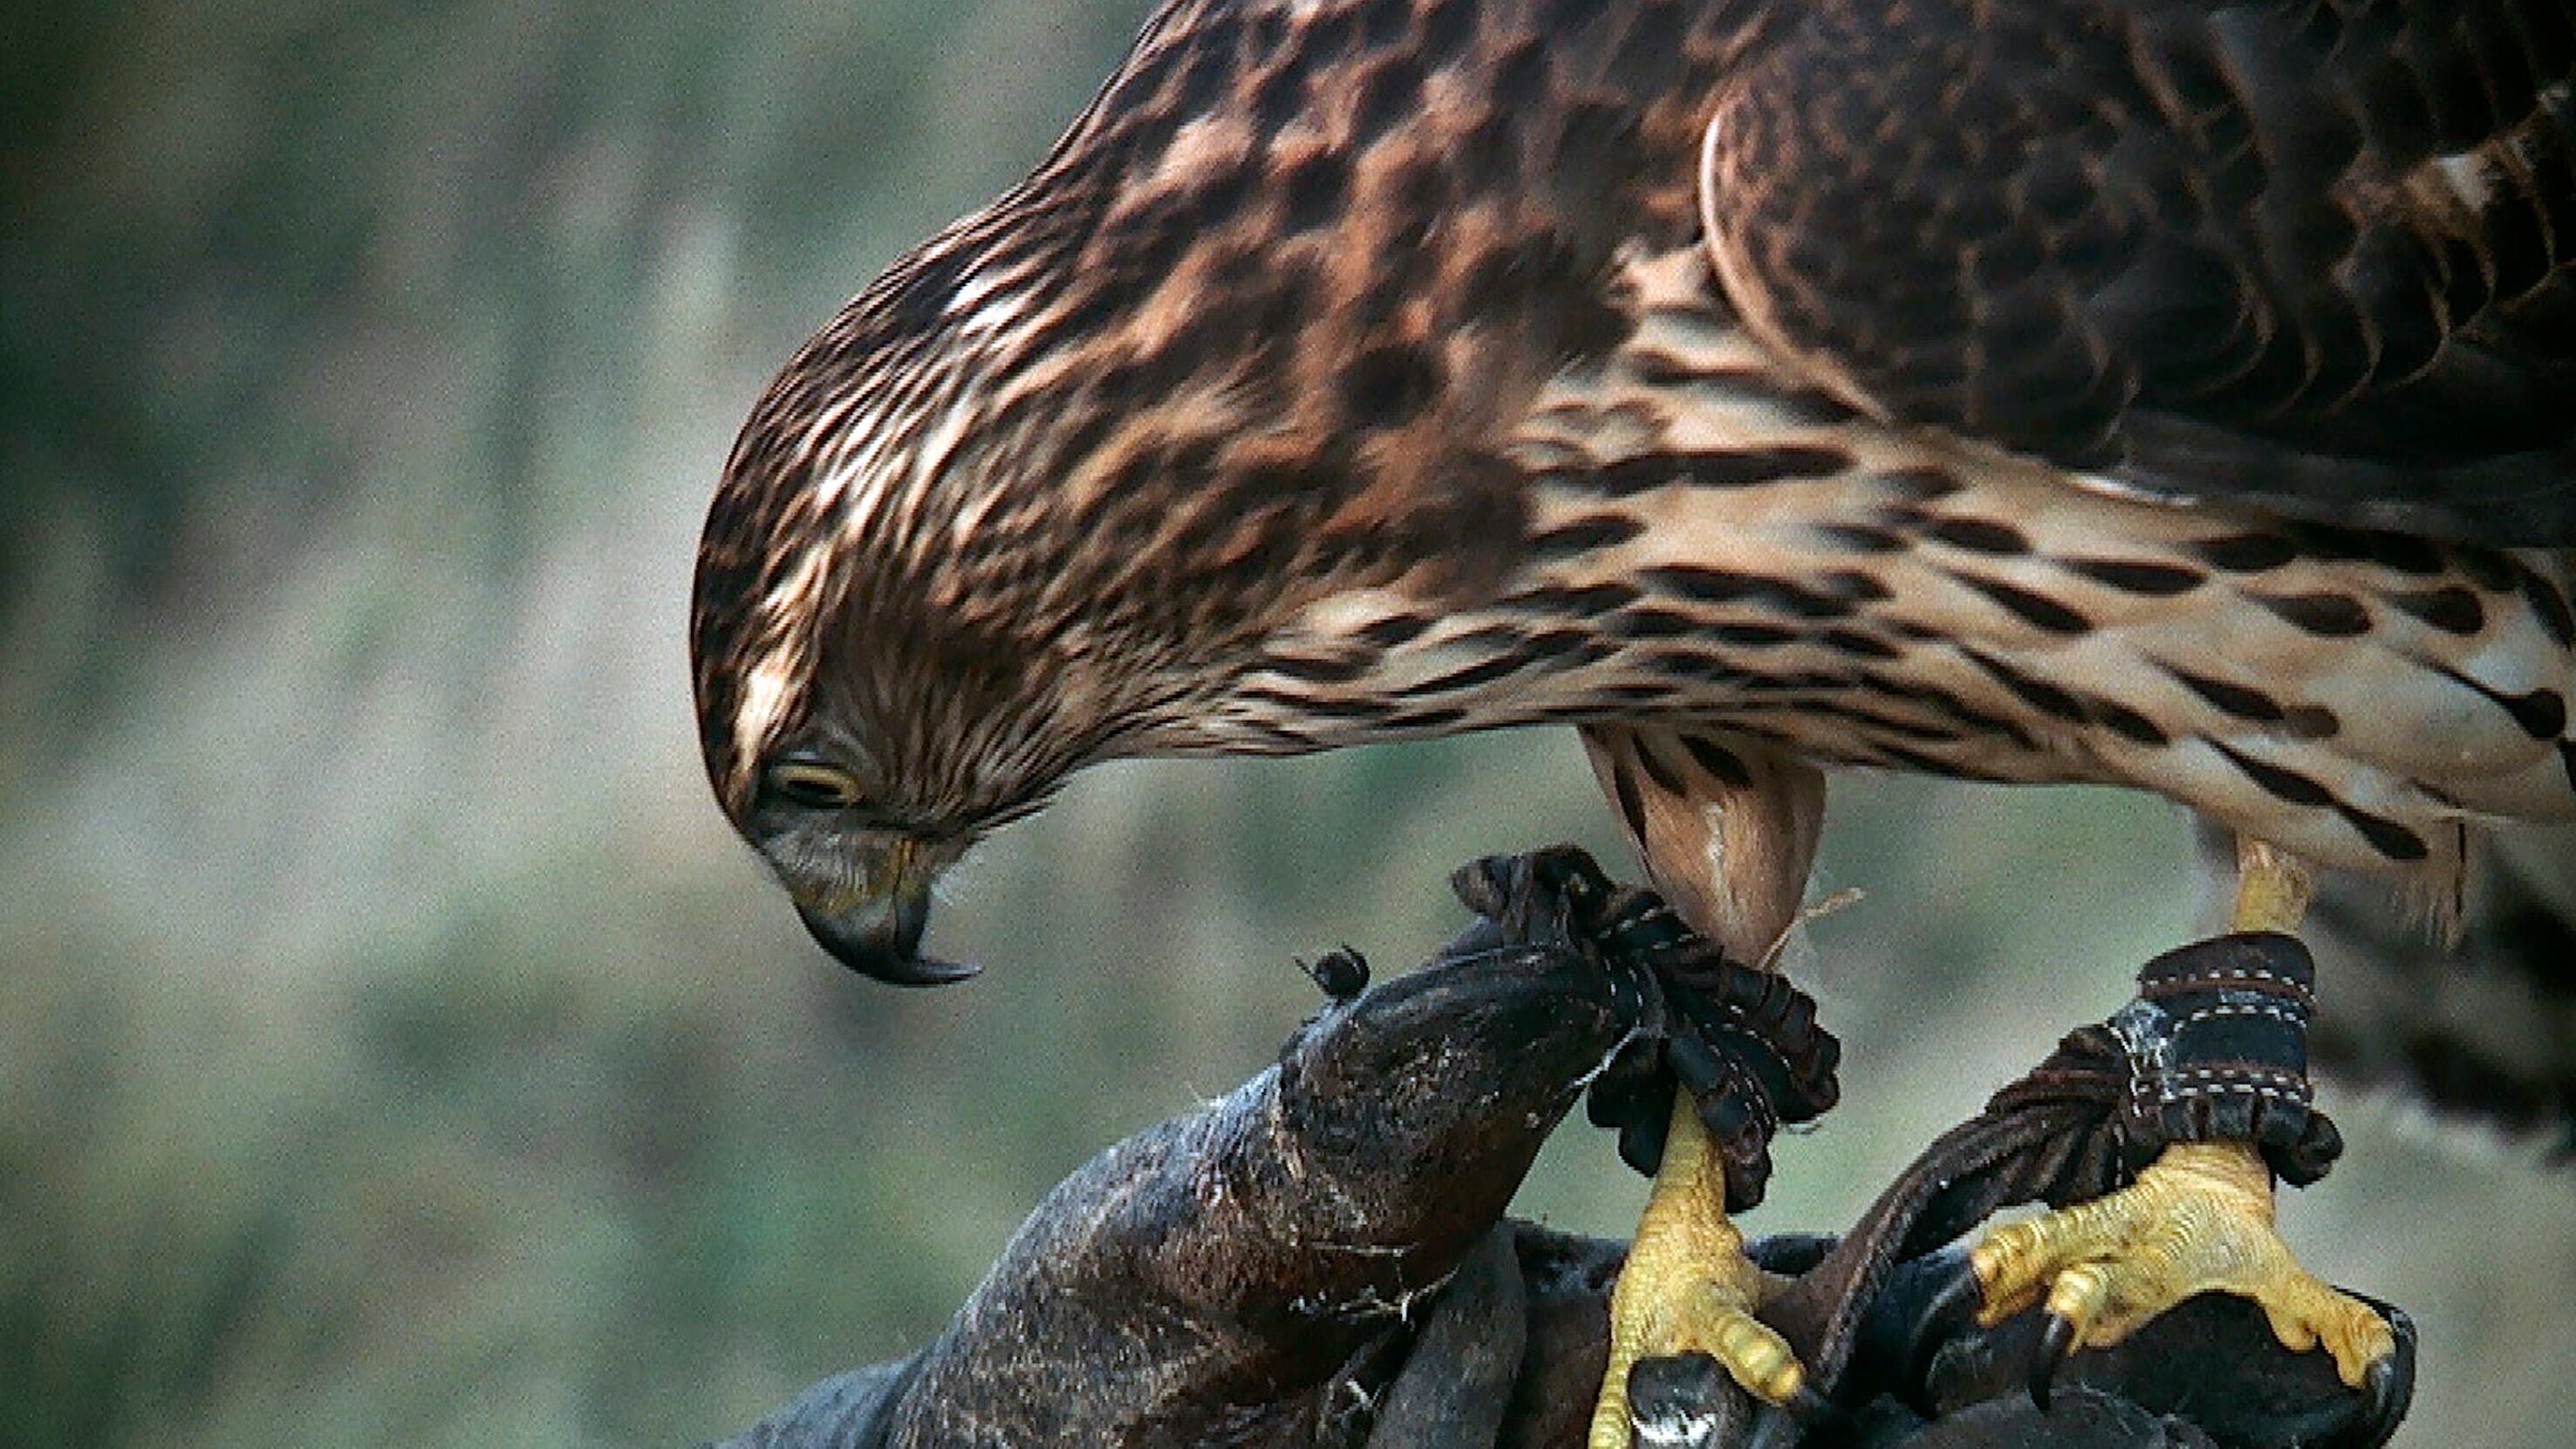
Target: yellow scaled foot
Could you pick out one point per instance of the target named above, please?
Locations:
(1688, 1287)
(2197, 1220)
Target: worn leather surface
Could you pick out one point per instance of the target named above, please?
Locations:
(1321, 1259)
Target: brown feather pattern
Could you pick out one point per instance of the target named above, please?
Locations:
(2180, 395)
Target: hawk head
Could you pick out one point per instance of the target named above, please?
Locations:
(1049, 488)
(872, 692)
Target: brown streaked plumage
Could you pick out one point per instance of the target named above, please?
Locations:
(2161, 393)
(2165, 393)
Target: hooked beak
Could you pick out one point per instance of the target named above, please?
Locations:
(881, 938)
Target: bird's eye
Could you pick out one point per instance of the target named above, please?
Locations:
(812, 783)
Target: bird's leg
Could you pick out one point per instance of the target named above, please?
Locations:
(1687, 1286)
(2273, 889)
(2198, 1219)
(1727, 834)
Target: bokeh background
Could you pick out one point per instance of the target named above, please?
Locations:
(395, 1048)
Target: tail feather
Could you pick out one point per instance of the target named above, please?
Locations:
(2482, 1031)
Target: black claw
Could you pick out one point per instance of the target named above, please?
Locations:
(1680, 1399)
(1948, 1313)
(2379, 1388)
(1775, 1428)
(1780, 1426)
(2384, 1395)
(2387, 1387)
(1808, 1405)
(2055, 1342)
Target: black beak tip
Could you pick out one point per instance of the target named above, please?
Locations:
(888, 948)
(927, 971)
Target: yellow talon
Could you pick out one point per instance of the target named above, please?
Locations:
(1688, 1287)
(2199, 1219)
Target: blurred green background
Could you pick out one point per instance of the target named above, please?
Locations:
(396, 1048)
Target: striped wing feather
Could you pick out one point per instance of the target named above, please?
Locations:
(2320, 257)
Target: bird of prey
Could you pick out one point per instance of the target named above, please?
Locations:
(2177, 394)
